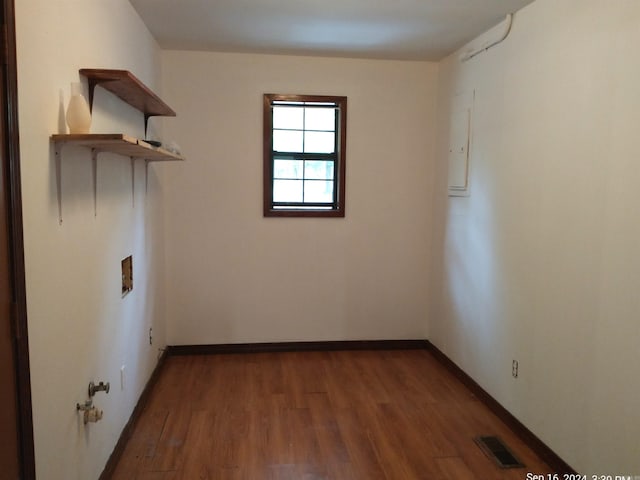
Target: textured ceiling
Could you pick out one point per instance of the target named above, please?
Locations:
(391, 29)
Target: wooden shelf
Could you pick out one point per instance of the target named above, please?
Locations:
(113, 143)
(120, 144)
(127, 87)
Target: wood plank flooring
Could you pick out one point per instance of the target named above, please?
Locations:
(353, 415)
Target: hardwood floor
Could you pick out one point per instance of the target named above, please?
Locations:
(353, 415)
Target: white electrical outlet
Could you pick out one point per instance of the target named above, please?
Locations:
(122, 369)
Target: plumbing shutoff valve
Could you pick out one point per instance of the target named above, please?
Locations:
(101, 387)
(91, 413)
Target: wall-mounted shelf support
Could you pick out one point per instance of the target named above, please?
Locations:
(133, 182)
(112, 143)
(146, 177)
(94, 174)
(58, 160)
(146, 124)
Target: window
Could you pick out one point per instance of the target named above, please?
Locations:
(304, 155)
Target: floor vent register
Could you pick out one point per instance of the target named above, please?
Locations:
(495, 449)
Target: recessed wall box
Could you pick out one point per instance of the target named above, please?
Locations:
(127, 275)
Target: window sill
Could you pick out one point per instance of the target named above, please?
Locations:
(304, 213)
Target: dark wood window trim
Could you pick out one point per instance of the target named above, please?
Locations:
(339, 209)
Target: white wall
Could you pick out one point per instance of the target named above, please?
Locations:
(540, 262)
(234, 276)
(80, 329)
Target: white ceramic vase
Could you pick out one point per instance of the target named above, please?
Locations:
(78, 114)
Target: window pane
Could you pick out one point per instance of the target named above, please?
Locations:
(287, 190)
(287, 169)
(318, 169)
(287, 118)
(318, 191)
(287, 141)
(319, 142)
(320, 119)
